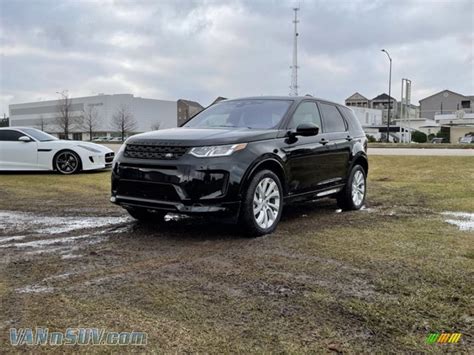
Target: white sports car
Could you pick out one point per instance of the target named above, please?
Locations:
(26, 149)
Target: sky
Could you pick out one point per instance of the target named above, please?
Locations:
(199, 50)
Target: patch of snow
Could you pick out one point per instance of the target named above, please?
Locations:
(24, 222)
(70, 256)
(34, 289)
(4, 240)
(43, 242)
(464, 220)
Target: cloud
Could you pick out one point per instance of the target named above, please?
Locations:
(202, 49)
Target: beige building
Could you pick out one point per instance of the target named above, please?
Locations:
(357, 100)
(445, 102)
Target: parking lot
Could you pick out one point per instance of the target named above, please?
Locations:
(379, 279)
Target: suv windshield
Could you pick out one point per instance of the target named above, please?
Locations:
(38, 135)
(252, 114)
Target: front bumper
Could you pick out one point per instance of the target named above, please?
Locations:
(189, 185)
(231, 208)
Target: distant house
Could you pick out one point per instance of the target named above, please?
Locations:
(357, 100)
(381, 102)
(187, 109)
(445, 102)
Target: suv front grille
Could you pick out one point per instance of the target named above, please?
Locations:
(140, 151)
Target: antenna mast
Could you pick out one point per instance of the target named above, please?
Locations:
(294, 67)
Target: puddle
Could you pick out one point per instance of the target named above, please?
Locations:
(44, 242)
(463, 220)
(20, 222)
(34, 234)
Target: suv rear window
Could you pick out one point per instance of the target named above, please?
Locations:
(332, 118)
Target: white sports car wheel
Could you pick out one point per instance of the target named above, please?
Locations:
(67, 162)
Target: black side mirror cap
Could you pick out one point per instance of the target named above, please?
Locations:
(306, 130)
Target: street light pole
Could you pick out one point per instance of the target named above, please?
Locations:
(389, 95)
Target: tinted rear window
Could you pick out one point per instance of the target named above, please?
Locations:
(332, 118)
(352, 120)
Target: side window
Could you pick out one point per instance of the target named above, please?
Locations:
(307, 112)
(9, 135)
(332, 118)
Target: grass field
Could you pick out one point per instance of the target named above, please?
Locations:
(421, 145)
(376, 280)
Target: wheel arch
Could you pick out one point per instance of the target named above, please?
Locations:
(53, 162)
(361, 159)
(269, 163)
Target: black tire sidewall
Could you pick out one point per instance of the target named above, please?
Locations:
(79, 162)
(247, 218)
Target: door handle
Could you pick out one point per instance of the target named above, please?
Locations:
(323, 141)
(349, 138)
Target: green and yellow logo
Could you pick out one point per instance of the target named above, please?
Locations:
(443, 338)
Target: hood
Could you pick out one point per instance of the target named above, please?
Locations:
(201, 137)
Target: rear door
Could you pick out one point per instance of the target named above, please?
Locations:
(15, 154)
(309, 158)
(337, 131)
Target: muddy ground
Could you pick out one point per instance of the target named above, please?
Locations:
(380, 279)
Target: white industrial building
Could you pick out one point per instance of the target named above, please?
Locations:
(149, 114)
(370, 119)
(368, 116)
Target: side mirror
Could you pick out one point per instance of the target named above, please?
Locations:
(25, 139)
(307, 130)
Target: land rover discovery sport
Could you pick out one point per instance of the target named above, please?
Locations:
(245, 158)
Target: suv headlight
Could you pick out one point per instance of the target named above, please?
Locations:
(217, 150)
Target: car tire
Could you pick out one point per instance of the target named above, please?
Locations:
(67, 162)
(146, 215)
(262, 204)
(352, 196)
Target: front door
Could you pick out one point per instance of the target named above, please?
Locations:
(337, 131)
(309, 158)
(15, 154)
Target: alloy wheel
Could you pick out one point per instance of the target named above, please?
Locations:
(358, 188)
(266, 203)
(67, 163)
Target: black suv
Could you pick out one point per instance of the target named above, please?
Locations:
(245, 158)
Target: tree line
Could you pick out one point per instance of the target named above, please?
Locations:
(123, 121)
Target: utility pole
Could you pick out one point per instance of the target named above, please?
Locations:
(294, 67)
(405, 100)
(389, 95)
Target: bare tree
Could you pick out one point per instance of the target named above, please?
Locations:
(156, 126)
(91, 120)
(42, 123)
(66, 119)
(123, 121)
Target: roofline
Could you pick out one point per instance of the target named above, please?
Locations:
(357, 93)
(439, 92)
